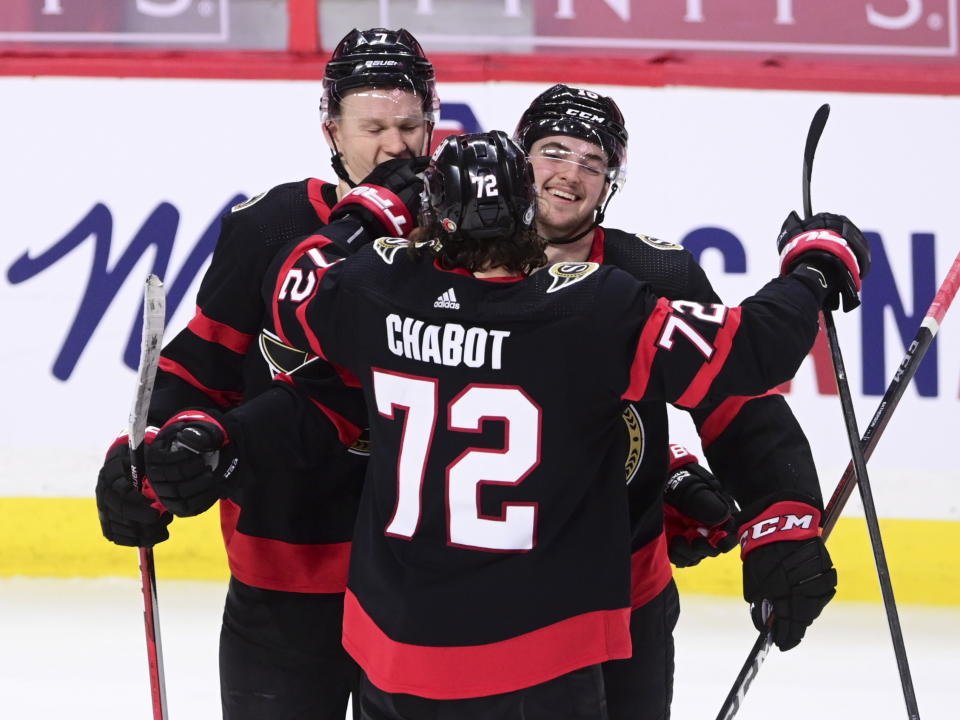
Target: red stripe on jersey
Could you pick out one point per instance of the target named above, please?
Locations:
(722, 343)
(646, 351)
(315, 194)
(347, 432)
(650, 571)
(223, 398)
(597, 249)
(314, 241)
(446, 673)
(717, 421)
(276, 565)
(219, 333)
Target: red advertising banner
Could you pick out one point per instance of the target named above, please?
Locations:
(922, 28)
(113, 21)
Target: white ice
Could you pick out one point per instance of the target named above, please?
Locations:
(75, 649)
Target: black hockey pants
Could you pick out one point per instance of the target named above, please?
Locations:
(281, 656)
(641, 687)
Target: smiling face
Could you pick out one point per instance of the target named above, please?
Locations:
(376, 125)
(570, 176)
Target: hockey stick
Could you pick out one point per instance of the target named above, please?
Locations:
(154, 310)
(891, 398)
(860, 450)
(859, 463)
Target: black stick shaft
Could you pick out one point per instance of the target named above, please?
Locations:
(873, 524)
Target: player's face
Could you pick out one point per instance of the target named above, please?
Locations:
(376, 125)
(571, 179)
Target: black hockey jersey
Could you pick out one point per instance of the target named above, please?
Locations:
(493, 540)
(754, 445)
(287, 532)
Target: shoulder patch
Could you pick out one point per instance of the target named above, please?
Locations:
(387, 248)
(658, 243)
(249, 202)
(566, 274)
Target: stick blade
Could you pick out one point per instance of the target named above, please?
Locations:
(817, 124)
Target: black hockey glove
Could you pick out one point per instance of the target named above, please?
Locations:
(697, 514)
(127, 517)
(787, 570)
(830, 247)
(191, 463)
(387, 202)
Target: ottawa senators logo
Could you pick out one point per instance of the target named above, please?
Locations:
(280, 357)
(658, 243)
(387, 248)
(361, 445)
(247, 203)
(633, 426)
(566, 274)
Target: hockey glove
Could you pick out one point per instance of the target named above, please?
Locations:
(831, 247)
(191, 463)
(697, 514)
(128, 517)
(787, 570)
(387, 202)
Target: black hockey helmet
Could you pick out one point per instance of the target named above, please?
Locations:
(479, 186)
(379, 58)
(580, 113)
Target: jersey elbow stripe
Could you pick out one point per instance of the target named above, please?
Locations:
(347, 432)
(223, 398)
(724, 414)
(723, 343)
(452, 672)
(219, 333)
(646, 351)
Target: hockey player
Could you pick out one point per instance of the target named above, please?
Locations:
(577, 142)
(490, 563)
(288, 537)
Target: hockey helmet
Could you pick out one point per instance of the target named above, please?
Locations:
(379, 58)
(479, 186)
(583, 114)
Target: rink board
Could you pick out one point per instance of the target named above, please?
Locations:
(61, 538)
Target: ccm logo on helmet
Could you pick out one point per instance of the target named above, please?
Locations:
(584, 115)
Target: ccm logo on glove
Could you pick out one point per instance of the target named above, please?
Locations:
(787, 520)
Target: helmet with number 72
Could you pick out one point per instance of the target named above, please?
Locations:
(479, 187)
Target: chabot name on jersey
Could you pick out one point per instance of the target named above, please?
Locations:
(449, 344)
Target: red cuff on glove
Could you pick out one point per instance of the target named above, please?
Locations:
(186, 416)
(385, 206)
(680, 456)
(145, 488)
(826, 240)
(785, 520)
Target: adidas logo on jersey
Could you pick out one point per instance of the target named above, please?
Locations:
(447, 300)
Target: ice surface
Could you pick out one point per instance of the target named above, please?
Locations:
(75, 648)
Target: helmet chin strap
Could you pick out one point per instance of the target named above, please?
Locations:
(597, 219)
(336, 159)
